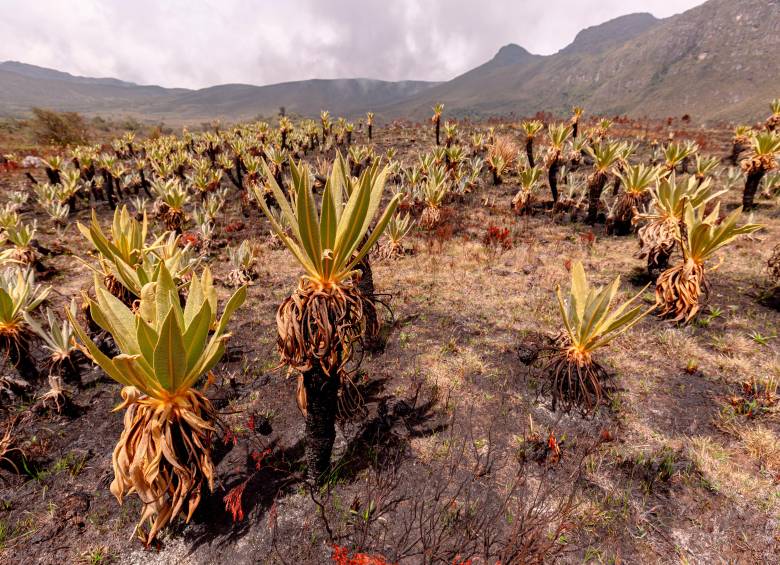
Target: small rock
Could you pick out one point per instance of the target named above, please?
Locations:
(31, 162)
(527, 353)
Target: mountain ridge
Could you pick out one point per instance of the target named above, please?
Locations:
(596, 38)
(35, 71)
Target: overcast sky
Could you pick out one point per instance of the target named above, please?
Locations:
(196, 43)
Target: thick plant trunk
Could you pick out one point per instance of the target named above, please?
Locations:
(118, 186)
(621, 226)
(370, 132)
(53, 176)
(736, 150)
(108, 189)
(89, 174)
(623, 214)
(438, 129)
(355, 168)
(321, 407)
(279, 178)
(529, 152)
(366, 287)
(616, 186)
(552, 177)
(594, 197)
(72, 203)
(655, 268)
(144, 183)
(575, 129)
(751, 187)
(239, 172)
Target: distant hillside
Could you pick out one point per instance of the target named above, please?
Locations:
(24, 86)
(33, 71)
(716, 61)
(348, 97)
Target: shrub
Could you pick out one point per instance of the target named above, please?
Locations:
(58, 128)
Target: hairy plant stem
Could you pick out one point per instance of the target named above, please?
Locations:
(552, 177)
(595, 187)
(751, 187)
(529, 151)
(321, 408)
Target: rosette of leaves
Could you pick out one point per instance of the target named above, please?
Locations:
(591, 320)
(320, 323)
(164, 452)
(679, 289)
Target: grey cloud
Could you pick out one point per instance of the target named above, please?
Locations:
(195, 44)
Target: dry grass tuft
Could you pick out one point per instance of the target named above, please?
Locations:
(762, 444)
(504, 147)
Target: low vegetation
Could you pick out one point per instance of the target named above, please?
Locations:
(369, 342)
